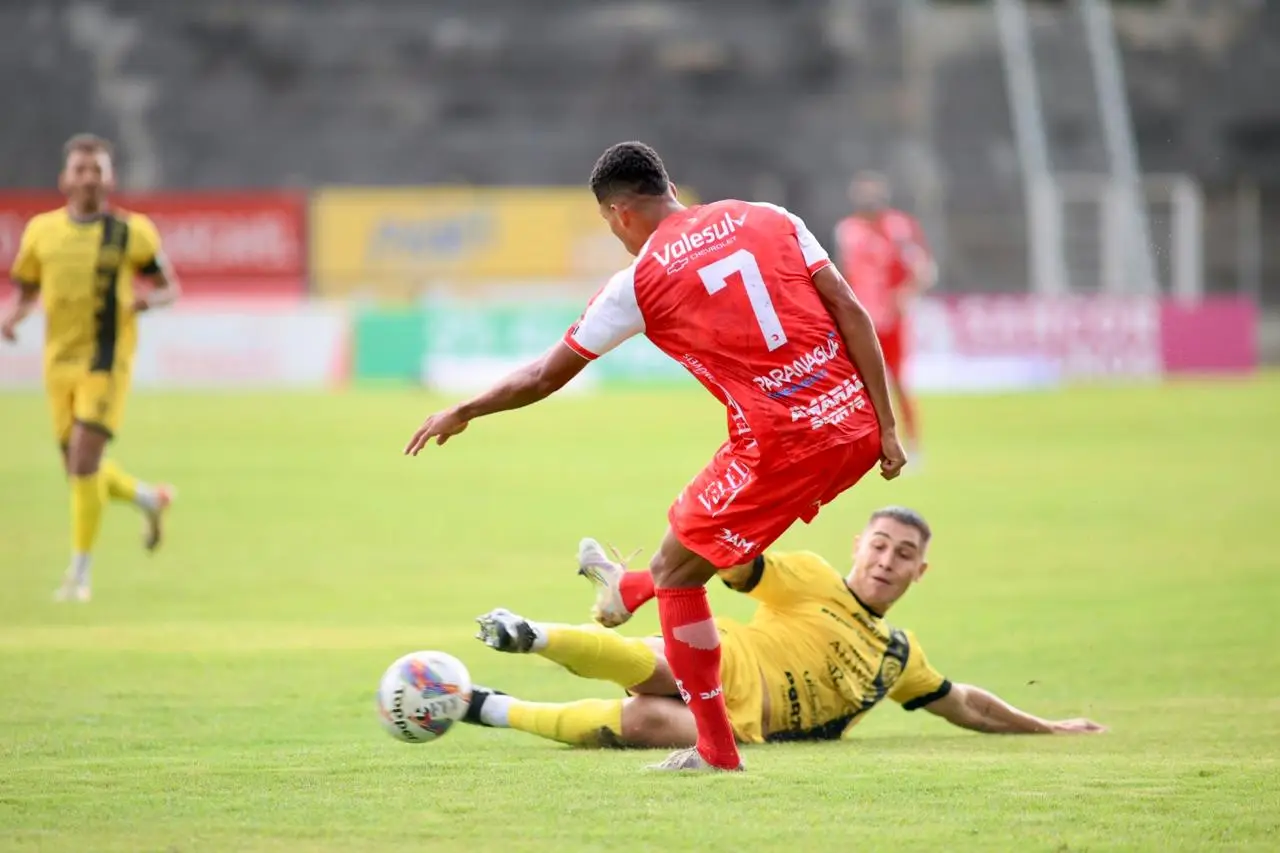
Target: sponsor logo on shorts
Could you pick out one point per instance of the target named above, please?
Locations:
(736, 541)
(720, 493)
(803, 372)
(833, 406)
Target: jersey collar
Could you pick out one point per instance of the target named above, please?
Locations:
(863, 604)
(97, 217)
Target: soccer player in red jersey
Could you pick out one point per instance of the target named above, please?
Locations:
(744, 297)
(883, 255)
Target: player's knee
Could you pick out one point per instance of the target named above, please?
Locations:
(680, 570)
(84, 455)
(655, 721)
(83, 465)
(660, 568)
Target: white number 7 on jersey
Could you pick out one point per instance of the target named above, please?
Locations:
(716, 278)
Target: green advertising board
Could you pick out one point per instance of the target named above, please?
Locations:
(405, 344)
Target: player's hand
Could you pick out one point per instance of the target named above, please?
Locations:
(892, 456)
(9, 330)
(441, 426)
(1078, 726)
(141, 304)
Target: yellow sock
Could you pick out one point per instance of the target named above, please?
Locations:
(88, 494)
(121, 485)
(590, 651)
(579, 723)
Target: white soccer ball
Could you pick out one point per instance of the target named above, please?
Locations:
(422, 694)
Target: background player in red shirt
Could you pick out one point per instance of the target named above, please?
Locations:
(883, 255)
(745, 298)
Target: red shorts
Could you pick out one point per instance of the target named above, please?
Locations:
(740, 504)
(893, 345)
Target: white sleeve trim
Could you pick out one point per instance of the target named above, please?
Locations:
(815, 256)
(611, 318)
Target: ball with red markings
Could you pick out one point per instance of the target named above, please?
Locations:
(422, 695)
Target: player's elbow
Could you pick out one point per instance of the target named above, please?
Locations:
(544, 380)
(960, 707)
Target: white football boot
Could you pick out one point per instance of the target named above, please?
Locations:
(690, 760)
(594, 565)
(71, 590)
(153, 518)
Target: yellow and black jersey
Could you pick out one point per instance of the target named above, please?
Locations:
(84, 271)
(825, 658)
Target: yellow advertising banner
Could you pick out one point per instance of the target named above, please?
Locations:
(402, 241)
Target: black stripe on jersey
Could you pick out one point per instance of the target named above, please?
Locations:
(831, 730)
(115, 236)
(151, 268)
(920, 701)
(863, 604)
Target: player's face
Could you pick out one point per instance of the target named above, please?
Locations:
(87, 178)
(869, 195)
(625, 225)
(889, 557)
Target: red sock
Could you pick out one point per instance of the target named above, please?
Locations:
(693, 653)
(636, 589)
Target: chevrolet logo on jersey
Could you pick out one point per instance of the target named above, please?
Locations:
(686, 243)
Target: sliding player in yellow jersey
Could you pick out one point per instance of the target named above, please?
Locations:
(814, 659)
(81, 260)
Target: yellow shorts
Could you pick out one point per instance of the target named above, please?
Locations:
(94, 399)
(743, 689)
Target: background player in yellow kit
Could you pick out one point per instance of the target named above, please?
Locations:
(81, 260)
(816, 656)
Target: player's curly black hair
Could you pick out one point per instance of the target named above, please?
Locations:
(629, 167)
(906, 516)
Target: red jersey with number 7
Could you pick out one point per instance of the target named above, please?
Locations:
(726, 289)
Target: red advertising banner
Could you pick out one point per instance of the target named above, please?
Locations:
(222, 241)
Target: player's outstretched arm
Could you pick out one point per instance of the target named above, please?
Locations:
(859, 334)
(975, 709)
(27, 296)
(165, 287)
(527, 385)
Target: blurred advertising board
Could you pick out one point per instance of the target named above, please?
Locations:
(218, 242)
(401, 243)
(961, 344)
(1090, 338)
(224, 344)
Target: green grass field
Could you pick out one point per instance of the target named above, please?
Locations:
(1109, 553)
